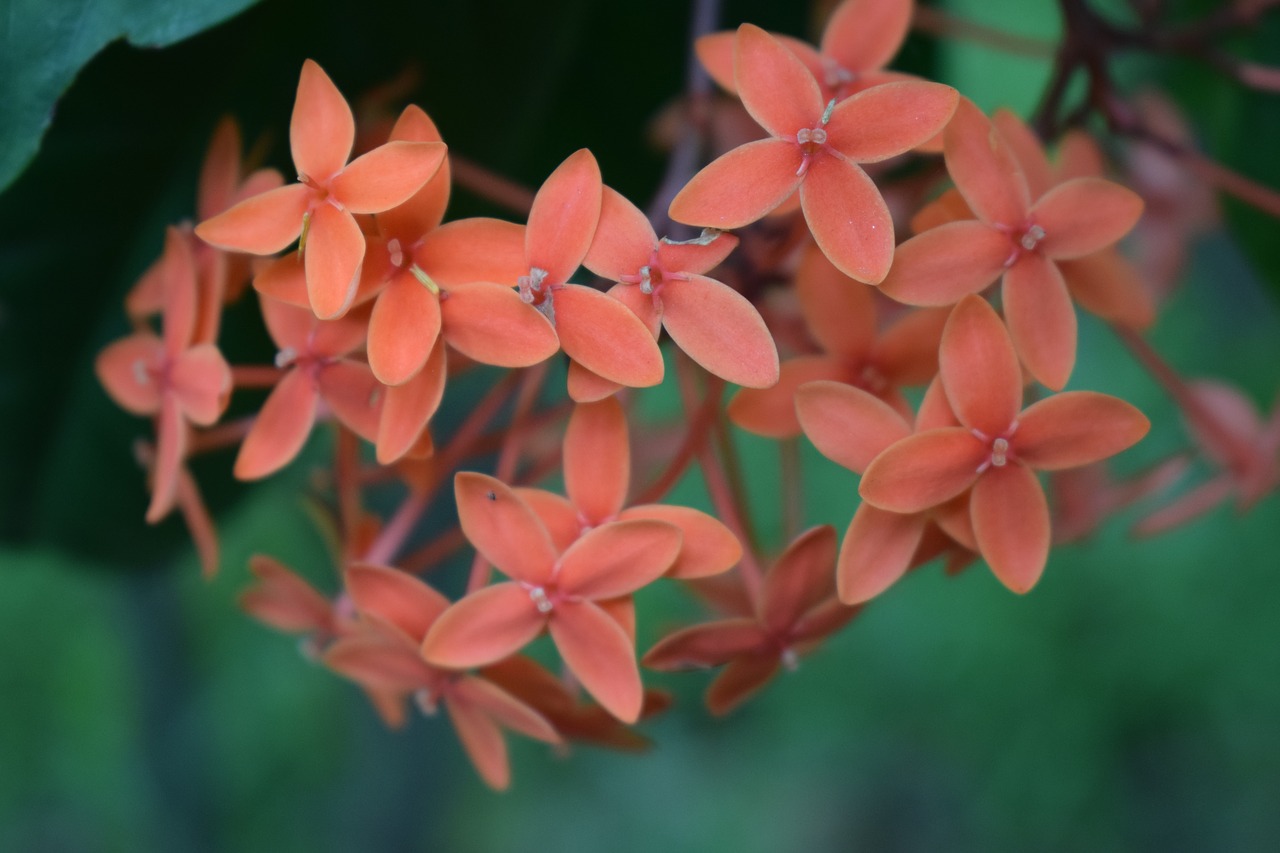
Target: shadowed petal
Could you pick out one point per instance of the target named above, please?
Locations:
(715, 52)
(907, 351)
(838, 311)
(800, 578)
(596, 649)
(322, 130)
(923, 470)
(201, 381)
(335, 248)
(771, 412)
(354, 394)
(503, 528)
(706, 645)
(177, 267)
(262, 225)
(740, 186)
(720, 330)
(283, 600)
(1108, 285)
(382, 660)
(504, 708)
(979, 368)
(402, 329)
(1011, 523)
(943, 265)
(1076, 428)
(606, 337)
(125, 369)
(477, 249)
(426, 209)
(281, 427)
(775, 86)
(618, 558)
(407, 408)
(564, 217)
(395, 597)
(486, 626)
(739, 680)
(597, 460)
(587, 387)
(847, 425)
(171, 449)
(555, 512)
(863, 35)
(1042, 320)
(482, 739)
(709, 547)
(284, 280)
(984, 168)
(624, 239)
(877, 550)
(387, 176)
(886, 120)
(848, 218)
(491, 324)
(1027, 149)
(1083, 215)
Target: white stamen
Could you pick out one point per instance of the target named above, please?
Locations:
(286, 357)
(540, 600)
(646, 283)
(1000, 452)
(1032, 237)
(140, 374)
(397, 253)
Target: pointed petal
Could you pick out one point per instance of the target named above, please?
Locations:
(1041, 318)
(606, 337)
(1084, 215)
(171, 449)
(284, 280)
(354, 394)
(720, 330)
(623, 611)
(646, 306)
(708, 548)
(395, 597)
(179, 272)
(476, 249)
(425, 210)
(598, 652)
(1108, 285)
(283, 600)
(322, 130)
(126, 370)
(503, 528)
(199, 524)
(491, 324)
(201, 381)
(984, 168)
(587, 387)
(948, 207)
(979, 368)
(618, 558)
(709, 644)
(483, 742)
(624, 240)
(335, 249)
(876, 551)
(261, 225)
(943, 265)
(1027, 149)
(863, 35)
(771, 412)
(387, 176)
(739, 681)
(220, 171)
(281, 428)
(379, 662)
(563, 220)
(923, 470)
(887, 120)
(1079, 156)
(740, 186)
(715, 52)
(556, 513)
(848, 218)
(907, 352)
(503, 708)
(847, 425)
(839, 311)
(408, 408)
(775, 86)
(1011, 523)
(486, 626)
(802, 577)
(1076, 428)
(597, 460)
(935, 410)
(402, 329)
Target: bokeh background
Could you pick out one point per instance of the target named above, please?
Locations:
(1132, 701)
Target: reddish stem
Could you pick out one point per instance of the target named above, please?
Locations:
(490, 185)
(246, 376)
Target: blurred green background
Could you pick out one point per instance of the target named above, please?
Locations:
(1130, 702)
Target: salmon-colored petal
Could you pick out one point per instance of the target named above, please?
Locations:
(646, 306)
(199, 524)
(821, 622)
(503, 708)
(283, 600)
(355, 396)
(984, 168)
(699, 255)
(408, 408)
(556, 513)
(291, 327)
(482, 740)
(335, 249)
(886, 120)
(1027, 148)
(486, 626)
(954, 519)
(491, 324)
(948, 207)
(587, 387)
(847, 425)
(503, 528)
(1084, 215)
(322, 130)
(1108, 285)
(128, 370)
(425, 210)
(284, 280)
(171, 449)
(597, 460)
(618, 558)
(387, 176)
(709, 547)
(477, 249)
(935, 410)
(923, 470)
(876, 551)
(800, 578)
(848, 218)
(907, 352)
(863, 35)
(564, 217)
(396, 597)
(1041, 318)
(947, 263)
(606, 337)
(598, 652)
(281, 428)
(715, 52)
(1011, 523)
(337, 338)
(979, 368)
(624, 240)
(720, 330)
(1076, 428)
(838, 311)
(178, 270)
(201, 381)
(1079, 156)
(709, 644)
(771, 412)
(220, 171)
(261, 225)
(740, 680)
(775, 86)
(740, 186)
(402, 329)
(623, 611)
(378, 662)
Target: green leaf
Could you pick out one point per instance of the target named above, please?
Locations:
(44, 45)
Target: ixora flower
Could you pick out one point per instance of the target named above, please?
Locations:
(329, 191)
(998, 446)
(560, 593)
(814, 147)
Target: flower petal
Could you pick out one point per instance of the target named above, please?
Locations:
(425, 210)
(1076, 428)
(1011, 523)
(848, 218)
(943, 265)
(979, 368)
(624, 240)
(708, 547)
(354, 395)
(699, 255)
(408, 408)
(322, 130)
(800, 578)
(335, 249)
(261, 225)
(564, 217)
(876, 551)
(848, 425)
(503, 528)
(586, 387)
(171, 449)
(984, 168)
(201, 381)
(477, 249)
(1108, 285)
(1041, 318)
(740, 186)
(483, 742)
(284, 280)
(863, 35)
(281, 428)
(597, 651)
(126, 369)
(606, 337)
(283, 600)
(503, 708)
(380, 660)
(715, 52)
(402, 329)
(396, 597)
(887, 120)
(555, 512)
(618, 558)
(771, 412)
(486, 626)
(838, 311)
(720, 330)
(923, 470)
(739, 681)
(1084, 215)
(597, 460)
(705, 645)
(775, 86)
(490, 324)
(387, 176)
(907, 351)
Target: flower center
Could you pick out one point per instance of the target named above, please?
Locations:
(534, 293)
(812, 139)
(538, 595)
(396, 251)
(1001, 452)
(1026, 240)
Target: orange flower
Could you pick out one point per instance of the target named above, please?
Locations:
(815, 147)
